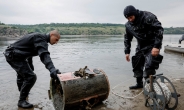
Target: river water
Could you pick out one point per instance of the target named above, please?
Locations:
(74, 52)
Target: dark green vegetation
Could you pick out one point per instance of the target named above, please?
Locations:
(80, 28)
(176, 30)
(76, 28)
(1, 23)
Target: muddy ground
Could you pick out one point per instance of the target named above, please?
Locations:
(126, 102)
(122, 102)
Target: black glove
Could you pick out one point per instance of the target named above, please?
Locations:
(54, 74)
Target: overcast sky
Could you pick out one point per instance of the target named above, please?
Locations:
(169, 12)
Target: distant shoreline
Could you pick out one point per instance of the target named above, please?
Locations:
(4, 38)
(12, 38)
(8, 38)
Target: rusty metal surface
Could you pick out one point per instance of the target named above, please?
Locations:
(73, 91)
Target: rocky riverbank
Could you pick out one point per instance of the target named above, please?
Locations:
(8, 32)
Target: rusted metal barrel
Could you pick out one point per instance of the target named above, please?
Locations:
(74, 91)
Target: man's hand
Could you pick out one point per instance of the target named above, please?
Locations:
(155, 51)
(128, 57)
(54, 74)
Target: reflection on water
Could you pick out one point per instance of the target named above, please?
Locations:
(72, 53)
(3, 41)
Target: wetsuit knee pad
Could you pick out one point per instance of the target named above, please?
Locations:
(148, 72)
(138, 73)
(32, 78)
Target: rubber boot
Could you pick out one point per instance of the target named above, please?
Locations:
(138, 85)
(23, 103)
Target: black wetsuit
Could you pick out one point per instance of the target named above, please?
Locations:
(149, 34)
(19, 56)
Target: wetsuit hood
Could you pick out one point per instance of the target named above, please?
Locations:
(131, 10)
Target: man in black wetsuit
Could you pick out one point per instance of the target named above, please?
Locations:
(19, 56)
(147, 30)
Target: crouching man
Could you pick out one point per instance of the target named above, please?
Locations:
(19, 56)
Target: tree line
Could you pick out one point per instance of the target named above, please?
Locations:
(76, 28)
(85, 28)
